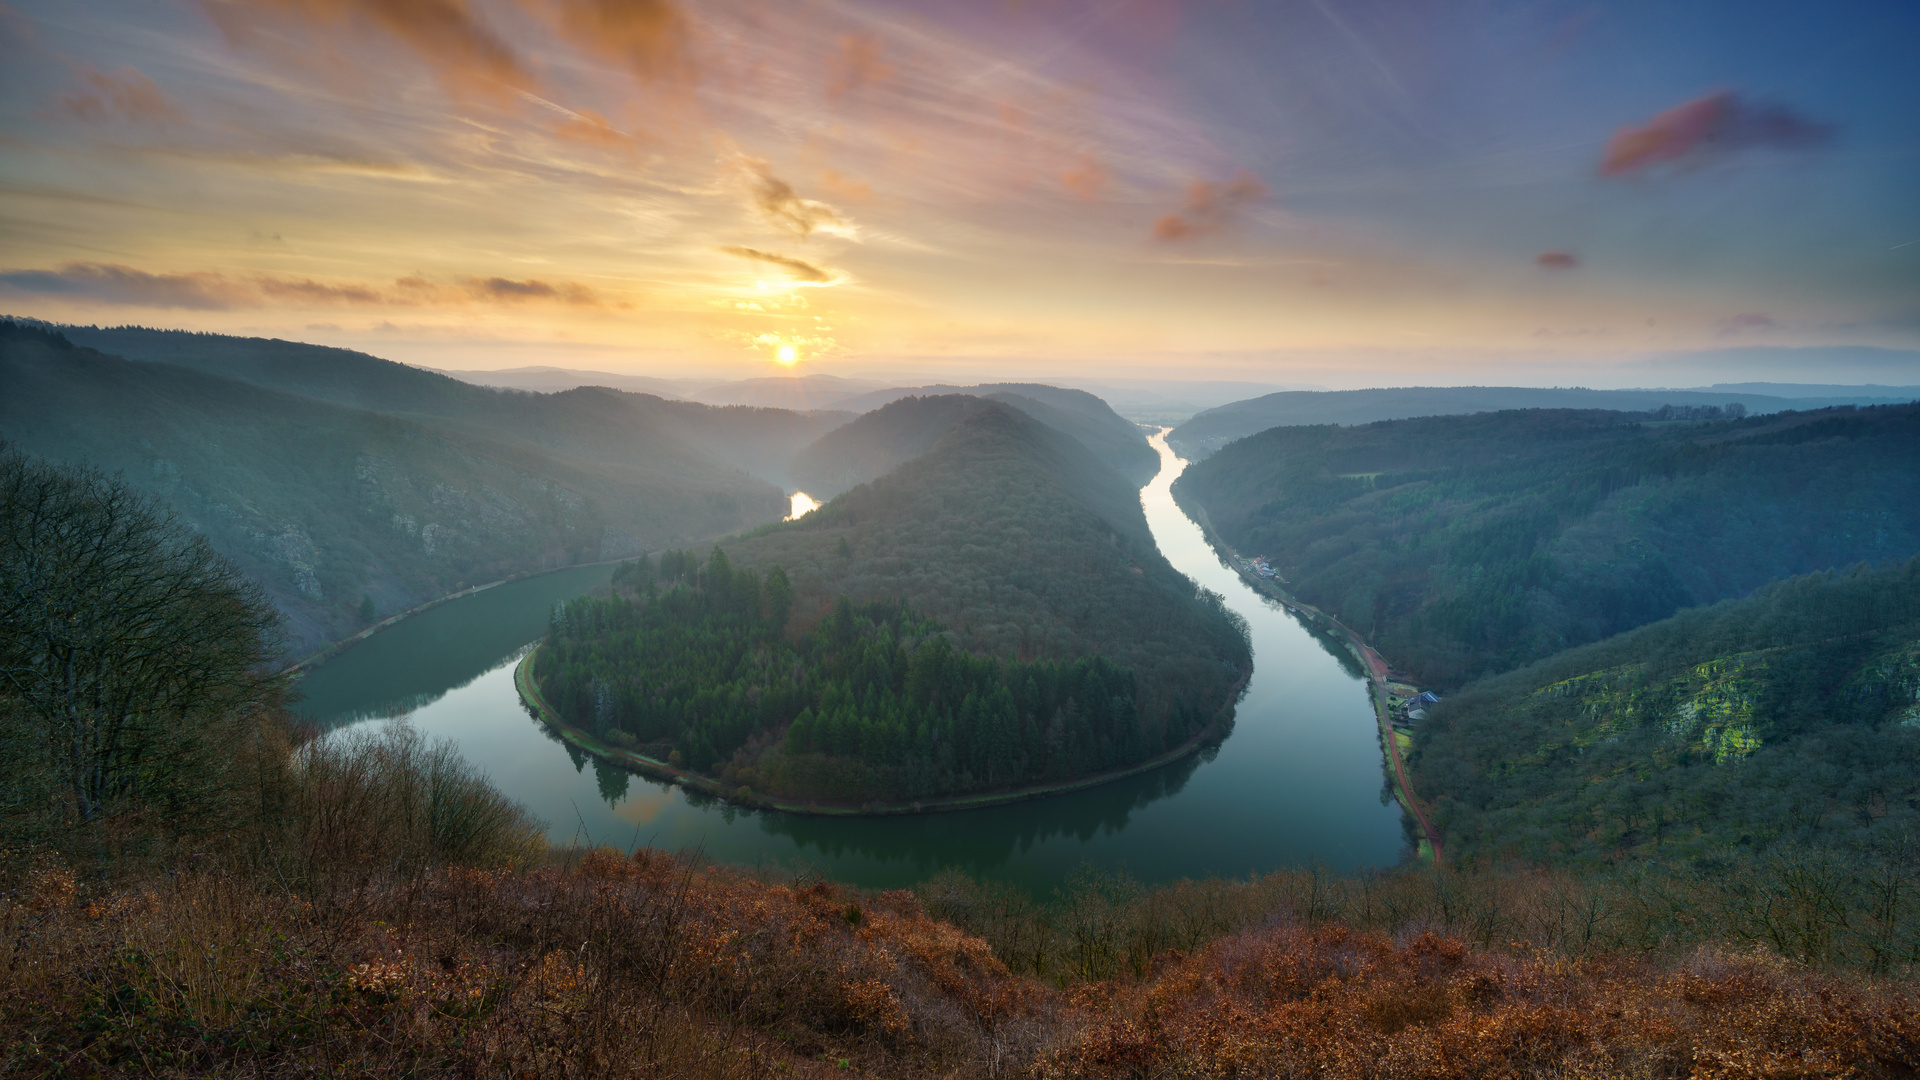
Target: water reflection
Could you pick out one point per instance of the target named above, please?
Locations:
(416, 662)
(1298, 780)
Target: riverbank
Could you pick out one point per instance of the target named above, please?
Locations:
(1370, 659)
(660, 770)
(328, 652)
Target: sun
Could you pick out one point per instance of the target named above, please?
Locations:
(786, 354)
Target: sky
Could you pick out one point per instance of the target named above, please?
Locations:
(1326, 192)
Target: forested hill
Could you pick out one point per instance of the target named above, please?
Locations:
(589, 422)
(888, 437)
(1789, 716)
(1112, 438)
(1466, 545)
(1207, 431)
(1026, 546)
(325, 504)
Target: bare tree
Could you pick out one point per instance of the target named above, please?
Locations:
(132, 656)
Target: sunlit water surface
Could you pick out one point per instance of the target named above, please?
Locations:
(1299, 779)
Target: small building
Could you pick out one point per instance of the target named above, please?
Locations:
(1416, 715)
(1426, 697)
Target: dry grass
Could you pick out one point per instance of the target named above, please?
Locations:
(652, 965)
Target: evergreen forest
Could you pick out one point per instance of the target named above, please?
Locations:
(873, 701)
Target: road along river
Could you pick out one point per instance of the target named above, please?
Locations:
(1299, 780)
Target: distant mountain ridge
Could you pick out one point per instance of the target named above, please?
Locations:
(588, 421)
(1208, 431)
(324, 500)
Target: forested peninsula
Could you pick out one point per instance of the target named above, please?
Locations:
(990, 616)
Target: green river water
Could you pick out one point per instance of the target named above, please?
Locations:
(1299, 780)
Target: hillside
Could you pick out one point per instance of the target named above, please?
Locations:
(1208, 431)
(589, 422)
(324, 504)
(1789, 716)
(899, 430)
(1026, 547)
(1461, 546)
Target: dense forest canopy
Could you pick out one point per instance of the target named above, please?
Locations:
(872, 702)
(1027, 547)
(1790, 716)
(1466, 545)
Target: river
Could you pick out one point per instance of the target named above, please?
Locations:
(1299, 780)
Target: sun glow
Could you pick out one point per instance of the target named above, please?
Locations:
(803, 504)
(786, 354)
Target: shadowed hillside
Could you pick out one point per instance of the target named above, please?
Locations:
(1208, 431)
(589, 422)
(324, 504)
(1792, 716)
(1466, 545)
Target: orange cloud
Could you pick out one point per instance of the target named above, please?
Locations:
(1556, 260)
(650, 38)
(466, 55)
(846, 187)
(1210, 207)
(780, 206)
(126, 93)
(1087, 180)
(1705, 128)
(588, 126)
(857, 65)
(801, 269)
(206, 290)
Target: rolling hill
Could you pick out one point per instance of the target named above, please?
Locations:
(891, 433)
(1465, 545)
(1208, 431)
(592, 422)
(1791, 716)
(324, 503)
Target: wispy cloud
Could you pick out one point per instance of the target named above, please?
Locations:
(775, 201)
(206, 290)
(1556, 260)
(1210, 207)
(859, 63)
(801, 269)
(468, 56)
(1708, 128)
(126, 93)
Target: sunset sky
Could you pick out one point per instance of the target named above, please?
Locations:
(1324, 190)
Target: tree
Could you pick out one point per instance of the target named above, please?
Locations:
(366, 609)
(132, 656)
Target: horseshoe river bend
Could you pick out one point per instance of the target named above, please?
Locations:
(1299, 780)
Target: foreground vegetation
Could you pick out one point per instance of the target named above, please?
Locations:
(871, 703)
(598, 964)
